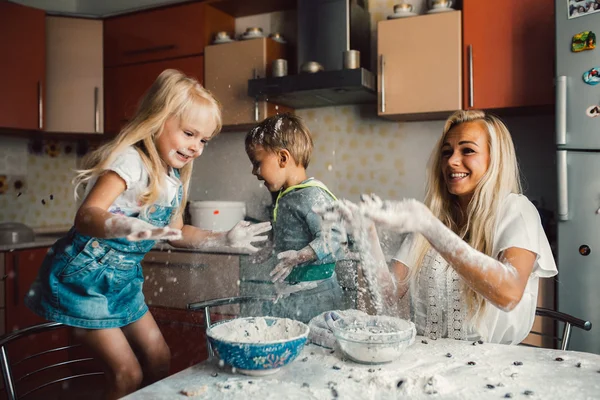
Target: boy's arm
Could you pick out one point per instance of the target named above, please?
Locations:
(288, 260)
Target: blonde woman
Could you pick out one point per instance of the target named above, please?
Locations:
(136, 189)
(475, 250)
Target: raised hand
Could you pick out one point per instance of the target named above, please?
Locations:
(400, 216)
(243, 234)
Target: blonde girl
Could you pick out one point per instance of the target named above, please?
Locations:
(476, 249)
(136, 189)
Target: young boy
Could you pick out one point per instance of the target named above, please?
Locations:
(280, 148)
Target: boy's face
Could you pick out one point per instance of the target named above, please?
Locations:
(268, 167)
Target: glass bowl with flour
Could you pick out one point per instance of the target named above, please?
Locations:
(373, 339)
(258, 345)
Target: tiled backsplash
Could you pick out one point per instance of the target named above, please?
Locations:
(45, 170)
(355, 152)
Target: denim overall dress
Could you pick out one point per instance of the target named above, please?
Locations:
(96, 283)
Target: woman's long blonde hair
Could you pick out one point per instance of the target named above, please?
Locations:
(501, 178)
(172, 94)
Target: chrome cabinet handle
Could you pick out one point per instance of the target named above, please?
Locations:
(470, 61)
(256, 113)
(382, 77)
(40, 105)
(561, 110)
(563, 185)
(96, 111)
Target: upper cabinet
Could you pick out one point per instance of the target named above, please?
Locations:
(228, 67)
(419, 65)
(508, 53)
(74, 94)
(126, 85)
(138, 47)
(163, 33)
(22, 66)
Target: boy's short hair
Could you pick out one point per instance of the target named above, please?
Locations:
(282, 131)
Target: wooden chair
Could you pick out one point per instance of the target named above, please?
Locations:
(48, 362)
(557, 317)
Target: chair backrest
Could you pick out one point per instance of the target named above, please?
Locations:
(560, 340)
(36, 359)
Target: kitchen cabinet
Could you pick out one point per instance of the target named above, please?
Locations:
(419, 65)
(74, 75)
(21, 269)
(124, 86)
(228, 67)
(163, 33)
(22, 69)
(175, 278)
(508, 53)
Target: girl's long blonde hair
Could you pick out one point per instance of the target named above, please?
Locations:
(501, 178)
(172, 94)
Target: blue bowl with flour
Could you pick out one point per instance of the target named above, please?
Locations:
(258, 345)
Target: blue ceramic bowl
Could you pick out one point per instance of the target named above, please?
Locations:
(258, 345)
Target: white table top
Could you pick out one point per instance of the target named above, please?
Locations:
(431, 369)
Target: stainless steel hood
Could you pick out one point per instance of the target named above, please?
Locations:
(94, 8)
(326, 28)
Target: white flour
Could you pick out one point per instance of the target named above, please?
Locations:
(257, 330)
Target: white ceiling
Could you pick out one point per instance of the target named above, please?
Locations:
(94, 8)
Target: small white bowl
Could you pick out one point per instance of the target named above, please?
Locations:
(374, 339)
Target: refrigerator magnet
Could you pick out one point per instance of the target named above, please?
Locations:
(593, 111)
(592, 77)
(583, 41)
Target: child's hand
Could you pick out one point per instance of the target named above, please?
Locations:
(243, 234)
(287, 261)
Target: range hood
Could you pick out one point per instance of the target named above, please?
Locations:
(94, 8)
(326, 28)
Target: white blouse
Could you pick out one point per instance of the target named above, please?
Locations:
(436, 296)
(130, 167)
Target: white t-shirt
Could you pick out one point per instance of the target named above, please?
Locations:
(129, 166)
(518, 225)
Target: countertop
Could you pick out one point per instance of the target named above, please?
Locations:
(429, 369)
(47, 240)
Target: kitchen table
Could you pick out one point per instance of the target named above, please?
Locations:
(429, 369)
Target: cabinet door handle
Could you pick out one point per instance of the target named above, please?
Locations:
(470, 62)
(16, 280)
(256, 113)
(154, 49)
(382, 77)
(40, 105)
(96, 111)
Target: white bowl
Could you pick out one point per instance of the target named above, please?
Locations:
(374, 339)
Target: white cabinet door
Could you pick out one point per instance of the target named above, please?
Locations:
(74, 70)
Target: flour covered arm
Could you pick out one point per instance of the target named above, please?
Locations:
(94, 219)
(501, 281)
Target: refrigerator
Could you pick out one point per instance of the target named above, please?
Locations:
(578, 169)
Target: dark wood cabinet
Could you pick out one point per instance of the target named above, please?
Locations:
(22, 267)
(510, 46)
(124, 86)
(22, 66)
(162, 33)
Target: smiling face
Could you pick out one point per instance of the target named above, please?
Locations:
(465, 159)
(182, 141)
(267, 166)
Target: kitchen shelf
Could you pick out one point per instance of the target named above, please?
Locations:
(64, 136)
(244, 8)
